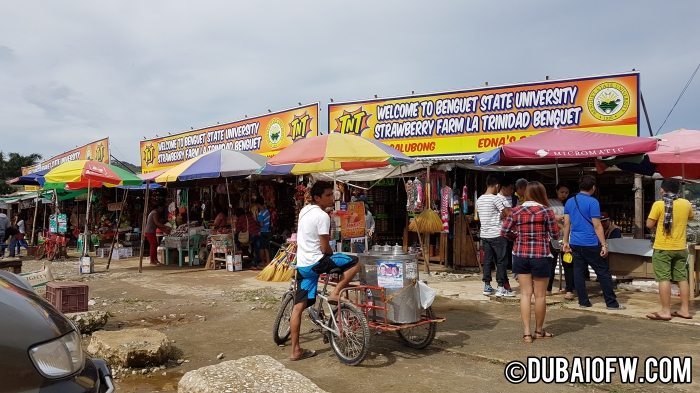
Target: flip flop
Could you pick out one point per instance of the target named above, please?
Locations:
(656, 317)
(543, 334)
(305, 354)
(676, 314)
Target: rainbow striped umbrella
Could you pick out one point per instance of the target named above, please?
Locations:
(334, 151)
(214, 164)
(74, 175)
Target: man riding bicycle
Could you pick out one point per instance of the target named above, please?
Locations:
(314, 257)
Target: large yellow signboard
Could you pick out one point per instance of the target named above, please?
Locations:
(472, 121)
(265, 135)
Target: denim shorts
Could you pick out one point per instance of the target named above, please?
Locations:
(538, 267)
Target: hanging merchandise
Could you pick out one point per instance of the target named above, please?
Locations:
(410, 197)
(455, 204)
(445, 204)
(418, 192)
(465, 200)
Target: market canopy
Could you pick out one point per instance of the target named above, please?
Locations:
(31, 179)
(215, 164)
(73, 175)
(678, 154)
(332, 152)
(565, 146)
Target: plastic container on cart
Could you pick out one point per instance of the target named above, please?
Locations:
(397, 273)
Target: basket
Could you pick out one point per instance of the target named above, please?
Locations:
(67, 296)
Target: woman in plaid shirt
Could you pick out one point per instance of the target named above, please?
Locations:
(531, 226)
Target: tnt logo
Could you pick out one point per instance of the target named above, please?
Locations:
(100, 152)
(149, 154)
(300, 126)
(352, 122)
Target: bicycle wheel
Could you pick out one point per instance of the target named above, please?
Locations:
(281, 329)
(421, 336)
(51, 251)
(352, 345)
(41, 251)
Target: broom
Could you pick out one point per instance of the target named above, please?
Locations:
(427, 221)
(284, 269)
(269, 271)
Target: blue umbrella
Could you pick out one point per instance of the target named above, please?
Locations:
(32, 179)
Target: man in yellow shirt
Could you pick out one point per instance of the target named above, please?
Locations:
(670, 217)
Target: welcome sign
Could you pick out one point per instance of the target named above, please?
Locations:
(477, 120)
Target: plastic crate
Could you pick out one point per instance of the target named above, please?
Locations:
(67, 296)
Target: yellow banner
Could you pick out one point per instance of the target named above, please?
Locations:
(98, 151)
(264, 135)
(477, 120)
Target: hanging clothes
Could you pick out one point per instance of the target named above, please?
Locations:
(465, 200)
(445, 205)
(418, 186)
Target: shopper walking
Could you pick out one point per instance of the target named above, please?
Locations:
(584, 238)
(670, 216)
(532, 226)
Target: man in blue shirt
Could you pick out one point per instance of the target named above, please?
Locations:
(584, 238)
(264, 220)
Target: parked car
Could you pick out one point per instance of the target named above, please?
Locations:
(40, 349)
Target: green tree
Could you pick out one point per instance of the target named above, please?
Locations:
(11, 167)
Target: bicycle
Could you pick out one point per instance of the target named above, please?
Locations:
(363, 307)
(345, 326)
(53, 247)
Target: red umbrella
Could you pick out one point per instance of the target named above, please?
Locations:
(565, 146)
(678, 154)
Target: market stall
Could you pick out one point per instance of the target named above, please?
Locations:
(216, 164)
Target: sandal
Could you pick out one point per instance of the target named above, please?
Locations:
(528, 338)
(305, 354)
(543, 334)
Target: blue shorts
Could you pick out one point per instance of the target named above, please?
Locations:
(538, 267)
(308, 284)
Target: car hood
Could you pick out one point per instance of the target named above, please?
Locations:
(26, 318)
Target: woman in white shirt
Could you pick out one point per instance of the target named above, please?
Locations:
(557, 204)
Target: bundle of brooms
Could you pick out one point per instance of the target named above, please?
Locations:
(281, 268)
(428, 221)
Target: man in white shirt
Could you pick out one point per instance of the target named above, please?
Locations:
(490, 207)
(315, 256)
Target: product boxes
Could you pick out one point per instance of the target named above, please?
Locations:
(234, 263)
(87, 265)
(67, 296)
(122, 253)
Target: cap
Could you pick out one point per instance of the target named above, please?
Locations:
(604, 216)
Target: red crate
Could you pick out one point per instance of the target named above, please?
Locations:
(67, 296)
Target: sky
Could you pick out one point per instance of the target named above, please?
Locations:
(72, 72)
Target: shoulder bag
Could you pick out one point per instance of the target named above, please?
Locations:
(581, 213)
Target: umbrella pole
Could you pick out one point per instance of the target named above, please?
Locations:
(233, 230)
(556, 171)
(187, 206)
(116, 236)
(143, 225)
(36, 209)
(87, 221)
